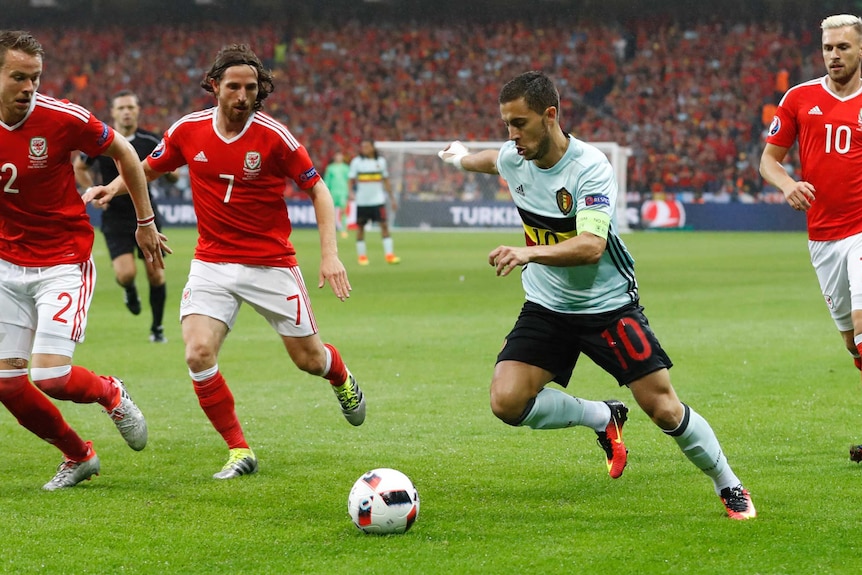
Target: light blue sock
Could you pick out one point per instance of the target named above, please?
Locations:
(554, 409)
(698, 442)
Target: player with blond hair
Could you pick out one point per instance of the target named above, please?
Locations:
(824, 116)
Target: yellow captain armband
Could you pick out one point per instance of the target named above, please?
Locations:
(593, 221)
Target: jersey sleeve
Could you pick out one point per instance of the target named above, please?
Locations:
(300, 168)
(167, 156)
(783, 129)
(96, 137)
(596, 199)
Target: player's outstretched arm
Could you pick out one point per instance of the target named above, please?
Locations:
(101, 196)
(459, 156)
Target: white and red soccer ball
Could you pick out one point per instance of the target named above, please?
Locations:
(383, 501)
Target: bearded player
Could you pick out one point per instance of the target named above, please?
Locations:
(240, 160)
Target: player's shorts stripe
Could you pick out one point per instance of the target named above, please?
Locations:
(306, 301)
(85, 292)
(623, 264)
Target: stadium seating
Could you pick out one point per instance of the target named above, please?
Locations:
(689, 101)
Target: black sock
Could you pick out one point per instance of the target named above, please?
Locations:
(131, 290)
(158, 295)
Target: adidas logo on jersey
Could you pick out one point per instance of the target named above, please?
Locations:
(201, 157)
(815, 111)
(520, 190)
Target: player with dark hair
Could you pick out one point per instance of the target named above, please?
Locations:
(239, 160)
(823, 116)
(47, 275)
(581, 291)
(368, 176)
(118, 218)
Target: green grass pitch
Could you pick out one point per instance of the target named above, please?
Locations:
(739, 313)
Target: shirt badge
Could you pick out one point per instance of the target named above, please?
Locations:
(565, 202)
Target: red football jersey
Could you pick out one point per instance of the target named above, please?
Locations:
(829, 130)
(238, 185)
(43, 221)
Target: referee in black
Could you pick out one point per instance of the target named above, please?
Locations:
(119, 221)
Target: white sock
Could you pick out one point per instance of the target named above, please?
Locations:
(554, 409)
(698, 442)
(205, 374)
(328, 364)
(388, 245)
(360, 248)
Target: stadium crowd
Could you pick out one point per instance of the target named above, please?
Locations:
(692, 102)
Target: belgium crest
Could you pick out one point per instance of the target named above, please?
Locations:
(565, 202)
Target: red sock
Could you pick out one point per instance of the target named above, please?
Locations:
(82, 386)
(337, 374)
(858, 360)
(217, 402)
(35, 412)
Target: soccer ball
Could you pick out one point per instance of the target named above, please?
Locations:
(383, 501)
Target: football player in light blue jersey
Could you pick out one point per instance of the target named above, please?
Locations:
(369, 184)
(581, 292)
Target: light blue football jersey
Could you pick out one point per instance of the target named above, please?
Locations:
(369, 174)
(548, 202)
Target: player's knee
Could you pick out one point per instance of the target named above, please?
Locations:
(507, 407)
(666, 414)
(199, 357)
(156, 280)
(125, 278)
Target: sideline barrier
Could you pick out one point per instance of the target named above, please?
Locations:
(651, 215)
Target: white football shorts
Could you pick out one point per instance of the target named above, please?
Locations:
(44, 309)
(839, 270)
(278, 294)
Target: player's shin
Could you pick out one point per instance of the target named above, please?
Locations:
(698, 442)
(554, 409)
